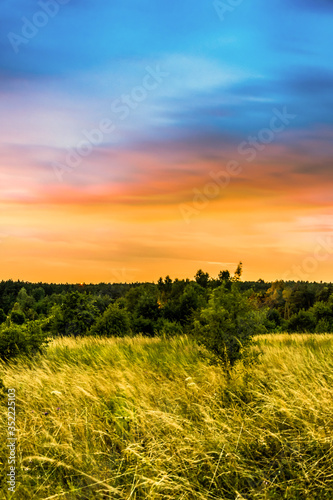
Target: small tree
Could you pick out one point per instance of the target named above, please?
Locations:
(227, 325)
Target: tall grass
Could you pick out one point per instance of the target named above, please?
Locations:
(139, 418)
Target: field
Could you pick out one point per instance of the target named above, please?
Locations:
(140, 418)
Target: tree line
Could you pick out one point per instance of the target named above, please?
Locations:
(223, 313)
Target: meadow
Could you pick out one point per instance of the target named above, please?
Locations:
(153, 418)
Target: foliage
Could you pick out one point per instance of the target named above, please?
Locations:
(38, 293)
(70, 309)
(142, 302)
(165, 287)
(16, 340)
(144, 326)
(17, 317)
(226, 326)
(3, 316)
(274, 321)
(202, 278)
(168, 328)
(182, 307)
(302, 322)
(76, 315)
(224, 276)
(114, 322)
(238, 272)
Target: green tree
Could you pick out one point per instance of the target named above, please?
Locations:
(182, 306)
(114, 322)
(166, 286)
(226, 326)
(142, 302)
(75, 316)
(202, 278)
(322, 310)
(24, 300)
(38, 293)
(302, 322)
(17, 317)
(16, 340)
(224, 276)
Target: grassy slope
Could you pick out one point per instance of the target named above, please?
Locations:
(151, 419)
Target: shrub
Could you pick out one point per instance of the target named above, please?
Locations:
(168, 328)
(15, 340)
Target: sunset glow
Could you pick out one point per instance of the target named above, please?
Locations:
(141, 139)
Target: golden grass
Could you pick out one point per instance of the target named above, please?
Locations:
(140, 418)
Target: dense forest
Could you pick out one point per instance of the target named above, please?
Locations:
(168, 307)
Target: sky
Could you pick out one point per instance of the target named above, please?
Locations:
(141, 139)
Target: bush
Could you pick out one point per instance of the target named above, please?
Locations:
(227, 325)
(168, 328)
(114, 322)
(16, 340)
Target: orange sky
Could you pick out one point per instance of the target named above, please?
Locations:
(157, 226)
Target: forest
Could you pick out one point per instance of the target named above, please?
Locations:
(32, 312)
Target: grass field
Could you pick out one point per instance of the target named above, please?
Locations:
(145, 418)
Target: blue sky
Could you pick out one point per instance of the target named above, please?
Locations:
(261, 55)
